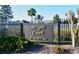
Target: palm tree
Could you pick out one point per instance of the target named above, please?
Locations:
(39, 18)
(31, 12)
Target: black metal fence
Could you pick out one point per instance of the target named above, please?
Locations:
(62, 33)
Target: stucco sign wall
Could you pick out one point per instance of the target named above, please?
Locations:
(38, 32)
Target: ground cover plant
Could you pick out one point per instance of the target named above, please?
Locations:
(58, 49)
(14, 44)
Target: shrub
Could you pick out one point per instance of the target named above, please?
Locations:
(58, 50)
(30, 43)
(12, 44)
(67, 37)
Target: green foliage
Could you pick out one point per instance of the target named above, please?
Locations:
(39, 18)
(31, 12)
(30, 43)
(58, 49)
(5, 13)
(56, 18)
(65, 35)
(12, 44)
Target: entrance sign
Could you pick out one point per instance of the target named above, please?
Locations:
(39, 32)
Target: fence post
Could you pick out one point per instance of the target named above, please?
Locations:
(21, 29)
(53, 34)
(58, 32)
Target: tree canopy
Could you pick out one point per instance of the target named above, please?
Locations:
(5, 13)
(39, 18)
(56, 18)
(31, 12)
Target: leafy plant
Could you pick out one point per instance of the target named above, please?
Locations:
(31, 43)
(58, 49)
(12, 44)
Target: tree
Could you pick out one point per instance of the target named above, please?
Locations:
(31, 12)
(5, 13)
(56, 18)
(39, 18)
(74, 32)
(77, 30)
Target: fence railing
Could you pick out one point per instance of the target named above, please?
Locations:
(65, 35)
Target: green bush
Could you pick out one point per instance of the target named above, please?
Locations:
(68, 37)
(12, 44)
(58, 49)
(30, 43)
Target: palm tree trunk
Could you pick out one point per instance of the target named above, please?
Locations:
(31, 18)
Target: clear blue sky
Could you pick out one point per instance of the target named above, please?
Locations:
(48, 11)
